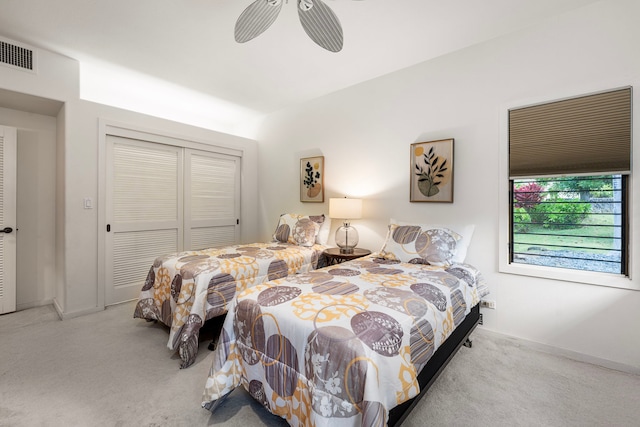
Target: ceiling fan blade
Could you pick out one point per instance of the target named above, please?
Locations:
(256, 18)
(321, 24)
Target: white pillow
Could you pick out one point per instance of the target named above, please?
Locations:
(466, 231)
(323, 234)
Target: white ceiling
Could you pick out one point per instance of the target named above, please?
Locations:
(191, 43)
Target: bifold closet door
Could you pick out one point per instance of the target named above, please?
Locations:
(144, 211)
(212, 199)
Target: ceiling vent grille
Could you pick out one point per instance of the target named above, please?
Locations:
(17, 56)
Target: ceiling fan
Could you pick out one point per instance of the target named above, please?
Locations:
(318, 20)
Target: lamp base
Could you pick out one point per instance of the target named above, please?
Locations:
(346, 238)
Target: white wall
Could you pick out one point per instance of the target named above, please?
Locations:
(365, 132)
(56, 77)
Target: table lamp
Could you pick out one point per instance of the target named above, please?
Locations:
(346, 209)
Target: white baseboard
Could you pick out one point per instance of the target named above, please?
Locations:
(70, 315)
(56, 305)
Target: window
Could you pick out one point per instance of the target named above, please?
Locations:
(569, 163)
(573, 222)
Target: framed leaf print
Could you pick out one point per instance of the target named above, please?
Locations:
(432, 171)
(312, 179)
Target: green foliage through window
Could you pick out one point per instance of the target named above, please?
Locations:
(569, 222)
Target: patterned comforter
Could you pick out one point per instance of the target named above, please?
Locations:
(184, 290)
(342, 345)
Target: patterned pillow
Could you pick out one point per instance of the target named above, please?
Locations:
(298, 229)
(418, 245)
(464, 230)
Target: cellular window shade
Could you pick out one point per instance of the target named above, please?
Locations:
(587, 134)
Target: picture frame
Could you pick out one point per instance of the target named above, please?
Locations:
(431, 178)
(312, 179)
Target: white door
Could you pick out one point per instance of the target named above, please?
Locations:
(211, 199)
(144, 211)
(8, 165)
(162, 199)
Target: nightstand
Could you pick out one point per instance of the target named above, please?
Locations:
(334, 257)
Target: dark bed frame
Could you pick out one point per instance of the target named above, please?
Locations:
(437, 363)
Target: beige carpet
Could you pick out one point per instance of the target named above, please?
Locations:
(108, 369)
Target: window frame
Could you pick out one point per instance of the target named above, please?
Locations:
(504, 222)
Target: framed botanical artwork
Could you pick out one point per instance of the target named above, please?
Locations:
(432, 171)
(312, 179)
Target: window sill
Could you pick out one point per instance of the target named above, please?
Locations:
(569, 275)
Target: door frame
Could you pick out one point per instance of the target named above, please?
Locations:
(10, 169)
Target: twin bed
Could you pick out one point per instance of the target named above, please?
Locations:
(352, 344)
(186, 289)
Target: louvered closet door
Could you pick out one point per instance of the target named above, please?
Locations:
(144, 212)
(8, 162)
(212, 199)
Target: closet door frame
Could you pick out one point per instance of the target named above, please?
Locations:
(126, 130)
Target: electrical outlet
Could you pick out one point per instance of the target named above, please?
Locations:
(481, 321)
(488, 304)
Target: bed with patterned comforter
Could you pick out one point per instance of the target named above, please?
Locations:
(186, 289)
(342, 345)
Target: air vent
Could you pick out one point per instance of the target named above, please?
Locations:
(16, 55)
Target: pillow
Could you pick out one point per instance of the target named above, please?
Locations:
(298, 229)
(323, 234)
(466, 231)
(418, 245)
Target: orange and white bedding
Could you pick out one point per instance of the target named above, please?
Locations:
(186, 289)
(341, 345)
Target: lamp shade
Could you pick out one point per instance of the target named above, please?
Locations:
(345, 208)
